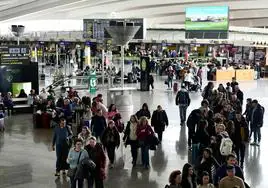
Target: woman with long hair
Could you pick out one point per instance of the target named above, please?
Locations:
(188, 177)
(205, 181)
(84, 135)
(112, 111)
(130, 137)
(144, 111)
(111, 140)
(144, 131)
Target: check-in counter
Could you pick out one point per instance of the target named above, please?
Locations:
(225, 75)
(244, 74)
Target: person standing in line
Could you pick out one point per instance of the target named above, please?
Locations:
(241, 137)
(159, 121)
(256, 121)
(144, 131)
(183, 101)
(75, 156)
(188, 177)
(111, 140)
(205, 181)
(97, 155)
(175, 179)
(61, 139)
(130, 137)
(231, 180)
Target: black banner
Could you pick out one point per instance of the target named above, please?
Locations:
(14, 55)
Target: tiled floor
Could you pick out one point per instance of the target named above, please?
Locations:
(27, 162)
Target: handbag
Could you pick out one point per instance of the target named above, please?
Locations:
(71, 171)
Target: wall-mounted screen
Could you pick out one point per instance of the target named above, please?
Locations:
(214, 18)
(17, 87)
(95, 28)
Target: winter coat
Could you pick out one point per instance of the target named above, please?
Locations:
(85, 168)
(98, 125)
(210, 165)
(241, 134)
(145, 113)
(110, 137)
(98, 156)
(159, 120)
(143, 135)
(257, 116)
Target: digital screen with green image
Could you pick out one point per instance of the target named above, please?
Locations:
(17, 87)
(214, 18)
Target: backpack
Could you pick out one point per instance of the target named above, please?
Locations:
(182, 98)
(226, 146)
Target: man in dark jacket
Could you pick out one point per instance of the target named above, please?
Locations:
(183, 101)
(192, 121)
(239, 94)
(98, 124)
(256, 121)
(159, 121)
(221, 172)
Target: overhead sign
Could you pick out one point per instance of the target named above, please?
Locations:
(16, 55)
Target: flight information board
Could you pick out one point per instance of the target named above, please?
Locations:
(95, 28)
(14, 55)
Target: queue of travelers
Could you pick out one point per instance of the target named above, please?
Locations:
(218, 133)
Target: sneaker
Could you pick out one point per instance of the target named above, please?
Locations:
(253, 143)
(57, 174)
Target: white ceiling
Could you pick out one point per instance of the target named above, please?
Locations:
(246, 13)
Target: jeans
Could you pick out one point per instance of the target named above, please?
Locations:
(195, 152)
(257, 134)
(73, 182)
(144, 154)
(183, 111)
(111, 152)
(134, 150)
(240, 153)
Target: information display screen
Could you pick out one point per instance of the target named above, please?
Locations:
(214, 18)
(95, 28)
(14, 55)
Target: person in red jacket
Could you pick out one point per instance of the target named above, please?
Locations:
(144, 131)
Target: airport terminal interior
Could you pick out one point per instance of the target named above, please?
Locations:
(76, 77)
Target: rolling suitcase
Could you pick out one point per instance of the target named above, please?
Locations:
(37, 120)
(46, 118)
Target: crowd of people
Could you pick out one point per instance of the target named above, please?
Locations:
(218, 133)
(84, 155)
